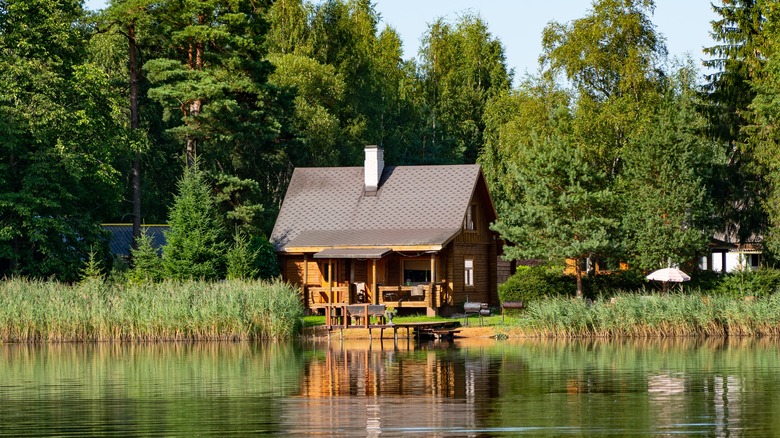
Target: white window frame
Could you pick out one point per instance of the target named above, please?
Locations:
(468, 271)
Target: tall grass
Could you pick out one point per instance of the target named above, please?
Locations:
(97, 311)
(631, 315)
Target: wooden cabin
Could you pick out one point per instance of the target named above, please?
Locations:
(405, 236)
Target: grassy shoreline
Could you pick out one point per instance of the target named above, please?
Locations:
(628, 315)
(38, 311)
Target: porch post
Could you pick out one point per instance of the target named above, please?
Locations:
(433, 280)
(374, 290)
(305, 281)
(305, 269)
(330, 281)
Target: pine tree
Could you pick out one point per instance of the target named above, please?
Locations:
(737, 60)
(194, 248)
(567, 209)
(147, 266)
(665, 185)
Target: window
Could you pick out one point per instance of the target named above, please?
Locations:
(325, 271)
(469, 223)
(417, 272)
(468, 269)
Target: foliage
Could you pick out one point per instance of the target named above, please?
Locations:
(93, 268)
(34, 311)
(266, 263)
(612, 57)
(147, 266)
(749, 283)
(240, 259)
(512, 120)
(58, 141)
(462, 67)
(762, 133)
(668, 167)
(566, 208)
(738, 60)
(606, 285)
(194, 247)
(212, 82)
(534, 283)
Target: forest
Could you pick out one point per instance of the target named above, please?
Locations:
(195, 112)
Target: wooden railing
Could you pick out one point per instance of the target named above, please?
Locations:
(322, 295)
(433, 295)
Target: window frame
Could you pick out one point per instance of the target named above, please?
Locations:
(468, 272)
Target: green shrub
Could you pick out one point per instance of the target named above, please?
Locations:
(609, 284)
(757, 283)
(528, 284)
(241, 259)
(266, 263)
(704, 280)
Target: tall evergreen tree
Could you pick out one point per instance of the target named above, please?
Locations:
(737, 59)
(668, 212)
(762, 133)
(194, 246)
(214, 86)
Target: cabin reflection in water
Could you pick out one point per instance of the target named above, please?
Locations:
(351, 384)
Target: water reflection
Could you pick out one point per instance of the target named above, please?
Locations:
(357, 386)
(469, 387)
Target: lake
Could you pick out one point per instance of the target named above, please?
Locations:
(467, 387)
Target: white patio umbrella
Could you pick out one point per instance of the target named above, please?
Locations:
(667, 275)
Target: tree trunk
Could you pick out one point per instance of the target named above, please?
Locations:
(194, 108)
(578, 271)
(136, 172)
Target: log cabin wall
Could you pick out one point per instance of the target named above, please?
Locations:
(483, 283)
(293, 269)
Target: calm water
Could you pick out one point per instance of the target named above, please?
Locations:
(465, 388)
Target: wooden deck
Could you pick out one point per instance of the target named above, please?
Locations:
(339, 317)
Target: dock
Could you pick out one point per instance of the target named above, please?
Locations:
(420, 330)
(367, 316)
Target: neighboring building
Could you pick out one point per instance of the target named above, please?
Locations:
(122, 237)
(727, 255)
(406, 236)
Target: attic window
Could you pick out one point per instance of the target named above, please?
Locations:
(470, 222)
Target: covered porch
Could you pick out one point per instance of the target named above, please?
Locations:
(375, 276)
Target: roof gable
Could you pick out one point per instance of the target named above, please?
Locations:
(328, 206)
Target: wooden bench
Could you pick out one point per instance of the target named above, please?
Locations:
(364, 313)
(476, 308)
(511, 305)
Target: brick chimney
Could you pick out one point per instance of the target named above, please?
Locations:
(373, 166)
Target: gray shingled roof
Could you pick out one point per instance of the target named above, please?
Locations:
(122, 237)
(415, 205)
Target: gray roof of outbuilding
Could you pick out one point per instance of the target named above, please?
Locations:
(122, 237)
(415, 205)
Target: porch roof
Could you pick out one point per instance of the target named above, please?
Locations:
(362, 253)
(431, 238)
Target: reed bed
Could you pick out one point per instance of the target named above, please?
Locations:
(32, 311)
(642, 316)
